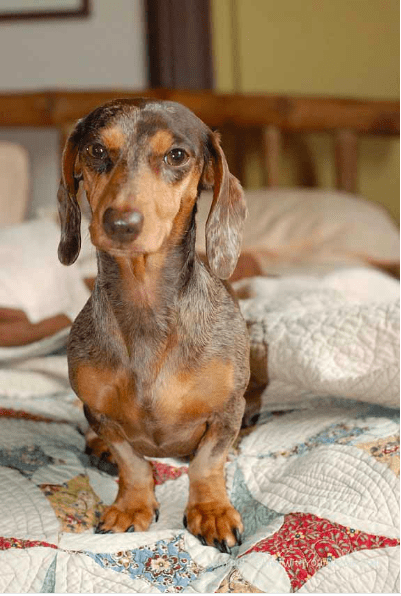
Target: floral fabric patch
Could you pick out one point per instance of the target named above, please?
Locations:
(163, 472)
(165, 565)
(6, 543)
(234, 583)
(305, 543)
(386, 451)
(75, 503)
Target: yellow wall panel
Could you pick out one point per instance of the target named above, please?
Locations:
(222, 33)
(323, 47)
(343, 48)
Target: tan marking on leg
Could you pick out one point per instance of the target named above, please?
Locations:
(135, 504)
(209, 513)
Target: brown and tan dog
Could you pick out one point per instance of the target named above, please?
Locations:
(159, 354)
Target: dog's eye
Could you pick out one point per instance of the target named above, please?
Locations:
(176, 157)
(97, 151)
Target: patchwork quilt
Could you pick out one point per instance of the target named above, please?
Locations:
(315, 480)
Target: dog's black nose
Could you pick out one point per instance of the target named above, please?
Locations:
(123, 226)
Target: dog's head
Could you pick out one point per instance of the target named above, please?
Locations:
(143, 164)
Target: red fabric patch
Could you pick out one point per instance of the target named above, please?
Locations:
(6, 543)
(21, 415)
(8, 413)
(164, 472)
(305, 543)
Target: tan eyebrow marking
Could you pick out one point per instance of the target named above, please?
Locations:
(161, 142)
(113, 137)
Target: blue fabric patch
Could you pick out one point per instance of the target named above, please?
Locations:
(254, 514)
(164, 564)
(50, 579)
(25, 459)
(338, 433)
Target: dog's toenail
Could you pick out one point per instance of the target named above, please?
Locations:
(238, 536)
(99, 530)
(225, 548)
(222, 546)
(105, 456)
(93, 460)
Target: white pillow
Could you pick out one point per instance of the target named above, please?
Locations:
(294, 229)
(32, 278)
(14, 183)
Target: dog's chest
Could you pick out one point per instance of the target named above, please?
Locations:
(165, 417)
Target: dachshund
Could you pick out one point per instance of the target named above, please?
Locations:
(159, 355)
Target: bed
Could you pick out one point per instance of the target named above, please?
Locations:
(315, 472)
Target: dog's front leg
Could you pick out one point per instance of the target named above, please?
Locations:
(135, 505)
(209, 514)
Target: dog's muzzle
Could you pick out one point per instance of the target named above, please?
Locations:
(122, 226)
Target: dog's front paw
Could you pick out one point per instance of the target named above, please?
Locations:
(215, 524)
(135, 519)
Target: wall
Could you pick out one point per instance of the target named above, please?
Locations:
(105, 50)
(345, 48)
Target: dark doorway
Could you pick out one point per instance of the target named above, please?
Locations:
(179, 44)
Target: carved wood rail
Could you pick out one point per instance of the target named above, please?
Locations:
(269, 116)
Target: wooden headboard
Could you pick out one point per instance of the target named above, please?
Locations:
(268, 116)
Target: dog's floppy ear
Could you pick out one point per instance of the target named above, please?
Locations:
(227, 215)
(69, 210)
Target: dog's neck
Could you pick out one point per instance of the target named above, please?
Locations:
(143, 290)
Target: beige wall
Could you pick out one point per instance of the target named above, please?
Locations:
(344, 48)
(104, 51)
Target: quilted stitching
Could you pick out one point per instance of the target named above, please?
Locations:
(321, 342)
(331, 480)
(314, 486)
